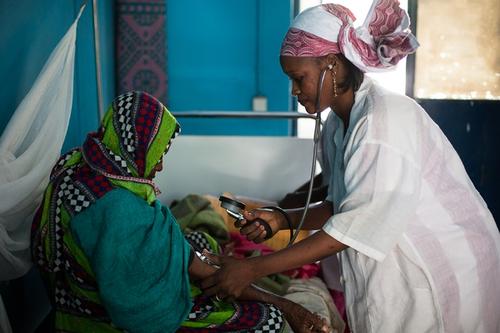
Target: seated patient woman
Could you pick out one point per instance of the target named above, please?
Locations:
(114, 259)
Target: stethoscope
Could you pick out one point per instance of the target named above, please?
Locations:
(235, 208)
(317, 126)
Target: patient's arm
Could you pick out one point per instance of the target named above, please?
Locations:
(299, 318)
(198, 269)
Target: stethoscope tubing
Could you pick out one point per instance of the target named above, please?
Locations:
(313, 164)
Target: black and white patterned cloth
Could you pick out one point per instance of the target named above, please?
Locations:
(200, 313)
(198, 241)
(274, 324)
(124, 108)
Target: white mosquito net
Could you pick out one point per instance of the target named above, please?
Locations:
(29, 146)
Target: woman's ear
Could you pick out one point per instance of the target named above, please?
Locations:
(331, 59)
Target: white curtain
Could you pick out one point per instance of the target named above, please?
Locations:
(29, 146)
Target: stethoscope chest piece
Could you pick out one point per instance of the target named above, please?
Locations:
(234, 208)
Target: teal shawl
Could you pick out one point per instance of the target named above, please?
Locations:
(140, 259)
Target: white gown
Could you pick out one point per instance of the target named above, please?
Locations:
(424, 250)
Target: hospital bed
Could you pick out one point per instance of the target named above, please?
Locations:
(216, 164)
(260, 167)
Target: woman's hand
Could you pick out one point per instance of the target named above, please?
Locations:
(255, 231)
(229, 281)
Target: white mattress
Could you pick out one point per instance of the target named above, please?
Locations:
(259, 167)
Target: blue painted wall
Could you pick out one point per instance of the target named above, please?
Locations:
(29, 32)
(220, 55)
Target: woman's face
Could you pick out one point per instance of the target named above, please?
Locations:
(157, 168)
(305, 74)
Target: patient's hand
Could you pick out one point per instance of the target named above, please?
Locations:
(255, 231)
(299, 318)
(302, 320)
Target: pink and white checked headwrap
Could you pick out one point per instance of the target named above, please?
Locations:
(378, 45)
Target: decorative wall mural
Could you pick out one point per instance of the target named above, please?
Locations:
(141, 47)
